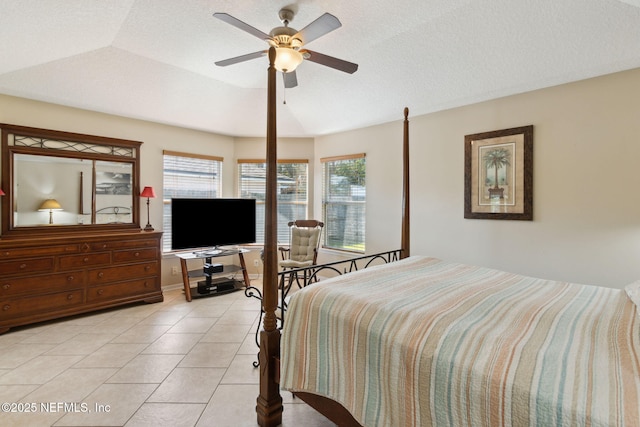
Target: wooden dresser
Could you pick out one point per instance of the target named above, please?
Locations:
(47, 277)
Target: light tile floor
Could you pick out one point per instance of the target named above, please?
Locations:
(166, 364)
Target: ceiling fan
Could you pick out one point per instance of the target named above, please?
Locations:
(288, 43)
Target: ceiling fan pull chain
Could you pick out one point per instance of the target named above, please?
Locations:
(284, 93)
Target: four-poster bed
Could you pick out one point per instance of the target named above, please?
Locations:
(423, 341)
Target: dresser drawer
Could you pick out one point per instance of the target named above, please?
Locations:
(124, 244)
(121, 289)
(39, 284)
(21, 307)
(51, 275)
(26, 266)
(38, 251)
(84, 260)
(124, 272)
(133, 255)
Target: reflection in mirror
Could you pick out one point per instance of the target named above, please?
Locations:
(60, 191)
(38, 179)
(114, 196)
(63, 182)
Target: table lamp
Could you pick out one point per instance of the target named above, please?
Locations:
(50, 205)
(148, 193)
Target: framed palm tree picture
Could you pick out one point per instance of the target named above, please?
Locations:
(498, 174)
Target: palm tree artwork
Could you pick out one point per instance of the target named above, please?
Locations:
(496, 159)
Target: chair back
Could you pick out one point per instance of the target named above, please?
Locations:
(304, 240)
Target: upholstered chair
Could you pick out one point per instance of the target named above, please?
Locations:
(304, 241)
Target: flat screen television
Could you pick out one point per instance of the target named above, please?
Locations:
(209, 223)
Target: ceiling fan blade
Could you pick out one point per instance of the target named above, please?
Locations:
(241, 58)
(290, 79)
(330, 61)
(321, 26)
(242, 25)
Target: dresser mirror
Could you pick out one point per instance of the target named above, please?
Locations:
(64, 182)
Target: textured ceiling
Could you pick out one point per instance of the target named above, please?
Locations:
(154, 59)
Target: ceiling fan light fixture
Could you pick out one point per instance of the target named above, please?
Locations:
(287, 59)
(289, 44)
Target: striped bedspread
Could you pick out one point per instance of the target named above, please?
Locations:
(424, 342)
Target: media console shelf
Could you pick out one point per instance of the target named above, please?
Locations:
(216, 276)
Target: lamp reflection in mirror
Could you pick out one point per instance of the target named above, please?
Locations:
(50, 205)
(287, 59)
(149, 194)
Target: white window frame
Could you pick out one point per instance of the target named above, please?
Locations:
(349, 233)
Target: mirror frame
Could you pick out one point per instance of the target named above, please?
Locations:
(110, 149)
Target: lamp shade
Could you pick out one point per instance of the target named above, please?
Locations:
(1, 192)
(50, 205)
(287, 59)
(148, 192)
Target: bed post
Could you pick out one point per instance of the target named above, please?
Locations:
(269, 403)
(405, 243)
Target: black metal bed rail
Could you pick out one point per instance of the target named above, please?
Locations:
(306, 276)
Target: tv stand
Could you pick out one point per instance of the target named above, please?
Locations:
(215, 252)
(216, 276)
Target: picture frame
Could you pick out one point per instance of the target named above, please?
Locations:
(498, 174)
(113, 183)
(113, 191)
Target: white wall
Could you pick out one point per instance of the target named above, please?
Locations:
(586, 196)
(586, 225)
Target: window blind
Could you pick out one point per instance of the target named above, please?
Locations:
(292, 192)
(187, 175)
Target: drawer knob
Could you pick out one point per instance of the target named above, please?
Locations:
(70, 297)
(146, 284)
(100, 291)
(136, 254)
(23, 266)
(6, 286)
(147, 267)
(86, 259)
(6, 307)
(69, 278)
(101, 275)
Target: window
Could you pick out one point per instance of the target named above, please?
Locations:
(187, 176)
(292, 192)
(343, 202)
